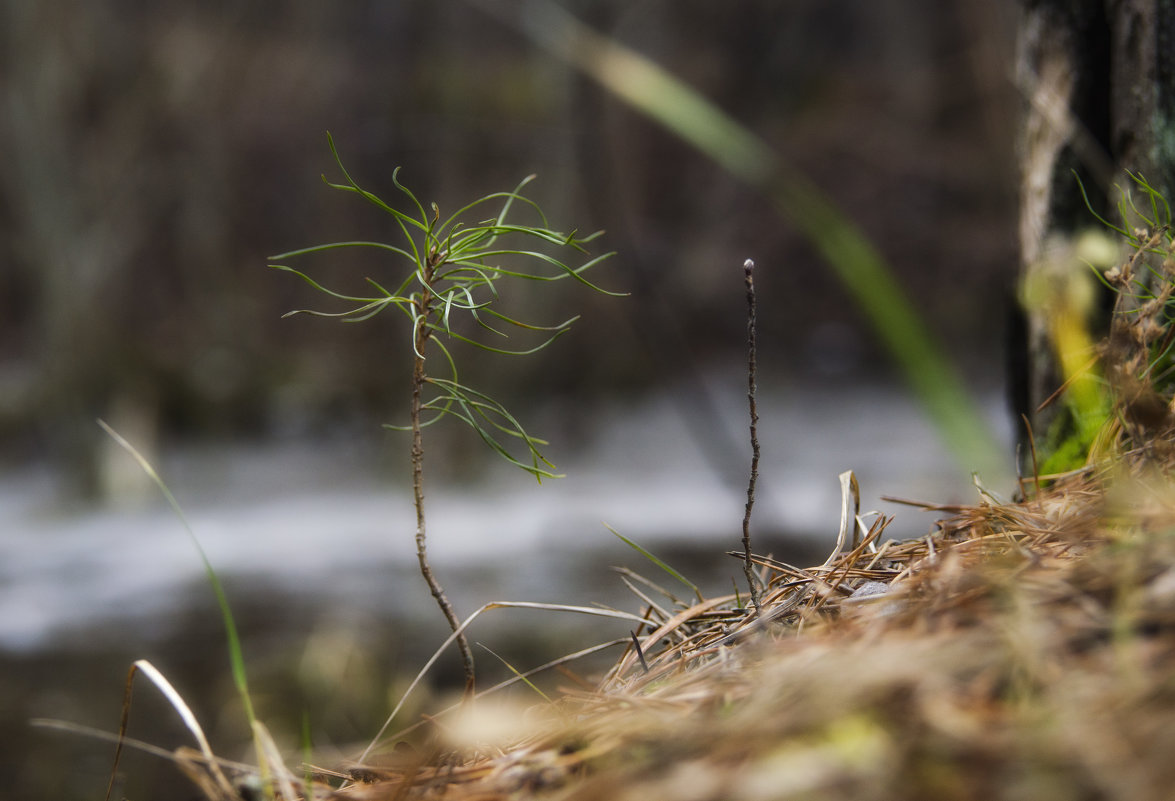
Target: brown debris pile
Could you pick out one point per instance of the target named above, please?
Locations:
(1022, 651)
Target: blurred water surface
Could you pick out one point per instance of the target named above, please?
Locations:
(321, 517)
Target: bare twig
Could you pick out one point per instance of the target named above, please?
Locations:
(753, 583)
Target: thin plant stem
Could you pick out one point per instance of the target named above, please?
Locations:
(422, 335)
(753, 583)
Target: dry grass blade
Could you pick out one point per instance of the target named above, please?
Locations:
(850, 511)
(669, 626)
(126, 742)
(631, 577)
(209, 762)
(584, 610)
(520, 677)
(272, 763)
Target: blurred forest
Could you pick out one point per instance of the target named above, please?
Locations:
(157, 153)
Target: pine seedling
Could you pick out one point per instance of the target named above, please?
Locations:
(453, 273)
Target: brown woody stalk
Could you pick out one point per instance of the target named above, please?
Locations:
(753, 582)
(420, 339)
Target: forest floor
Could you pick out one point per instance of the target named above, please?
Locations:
(1021, 650)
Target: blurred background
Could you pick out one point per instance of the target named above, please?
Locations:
(157, 153)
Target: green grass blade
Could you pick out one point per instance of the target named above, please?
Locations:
(653, 558)
(521, 676)
(236, 657)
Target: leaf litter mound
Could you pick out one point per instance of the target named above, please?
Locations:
(1020, 650)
